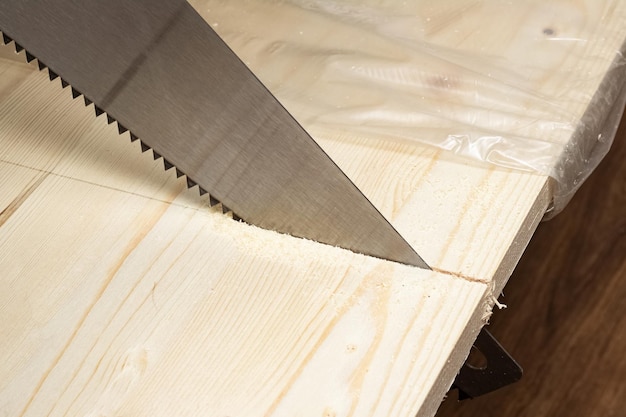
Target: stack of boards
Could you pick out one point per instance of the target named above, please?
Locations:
(122, 293)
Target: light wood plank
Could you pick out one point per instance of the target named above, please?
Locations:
(122, 293)
(153, 308)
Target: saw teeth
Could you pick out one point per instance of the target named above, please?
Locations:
(144, 147)
(167, 165)
(18, 48)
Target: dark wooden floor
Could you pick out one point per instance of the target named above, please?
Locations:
(566, 321)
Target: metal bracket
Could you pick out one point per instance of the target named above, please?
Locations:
(500, 369)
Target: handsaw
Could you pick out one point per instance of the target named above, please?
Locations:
(160, 71)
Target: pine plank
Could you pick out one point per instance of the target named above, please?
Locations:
(122, 293)
(126, 304)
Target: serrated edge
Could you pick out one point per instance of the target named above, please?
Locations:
(98, 111)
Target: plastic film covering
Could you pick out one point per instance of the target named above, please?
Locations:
(534, 85)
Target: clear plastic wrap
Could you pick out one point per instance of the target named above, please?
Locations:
(535, 85)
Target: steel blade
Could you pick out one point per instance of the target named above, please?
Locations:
(160, 70)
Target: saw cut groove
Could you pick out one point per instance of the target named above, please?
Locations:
(167, 165)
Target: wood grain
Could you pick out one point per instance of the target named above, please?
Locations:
(122, 293)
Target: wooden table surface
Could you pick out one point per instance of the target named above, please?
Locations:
(566, 320)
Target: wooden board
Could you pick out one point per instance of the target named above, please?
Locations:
(136, 292)
(123, 294)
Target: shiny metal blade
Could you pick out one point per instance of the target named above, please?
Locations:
(159, 70)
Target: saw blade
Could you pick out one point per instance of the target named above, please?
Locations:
(161, 72)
